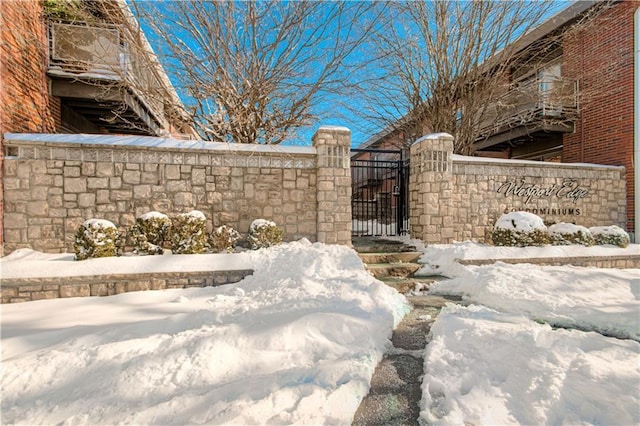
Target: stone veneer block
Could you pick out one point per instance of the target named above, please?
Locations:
(333, 178)
(456, 198)
(28, 289)
(118, 180)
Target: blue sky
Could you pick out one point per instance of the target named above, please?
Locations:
(330, 112)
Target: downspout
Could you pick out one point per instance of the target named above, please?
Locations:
(636, 125)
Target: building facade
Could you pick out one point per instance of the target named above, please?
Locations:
(568, 97)
(84, 69)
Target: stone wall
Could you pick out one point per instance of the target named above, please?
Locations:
(457, 198)
(613, 262)
(15, 290)
(52, 183)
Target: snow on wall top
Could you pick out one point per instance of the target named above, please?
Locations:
(503, 161)
(338, 128)
(434, 136)
(153, 142)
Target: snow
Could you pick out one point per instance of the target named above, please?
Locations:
(194, 215)
(98, 223)
(434, 136)
(149, 141)
(440, 259)
(297, 342)
(611, 230)
(520, 222)
(97, 74)
(261, 223)
(334, 128)
(26, 263)
(562, 228)
(502, 359)
(570, 297)
(485, 367)
(153, 215)
(373, 227)
(510, 161)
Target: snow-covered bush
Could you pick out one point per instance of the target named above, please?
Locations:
(264, 233)
(96, 238)
(613, 235)
(189, 233)
(519, 229)
(150, 232)
(223, 238)
(564, 234)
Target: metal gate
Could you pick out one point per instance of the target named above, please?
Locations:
(380, 192)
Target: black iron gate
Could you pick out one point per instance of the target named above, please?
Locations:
(380, 192)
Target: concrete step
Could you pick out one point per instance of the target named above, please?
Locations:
(403, 257)
(380, 245)
(380, 270)
(408, 284)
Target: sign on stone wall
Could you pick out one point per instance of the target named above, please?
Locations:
(463, 200)
(561, 197)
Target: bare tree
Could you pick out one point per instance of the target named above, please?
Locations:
(255, 71)
(443, 62)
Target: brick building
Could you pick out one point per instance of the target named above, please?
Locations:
(82, 70)
(601, 57)
(569, 96)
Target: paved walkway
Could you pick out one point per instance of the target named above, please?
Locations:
(395, 394)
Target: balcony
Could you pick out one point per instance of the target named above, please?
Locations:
(103, 80)
(529, 110)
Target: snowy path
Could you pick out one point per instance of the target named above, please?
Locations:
(298, 342)
(395, 394)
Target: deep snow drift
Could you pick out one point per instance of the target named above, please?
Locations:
(507, 365)
(298, 341)
(489, 368)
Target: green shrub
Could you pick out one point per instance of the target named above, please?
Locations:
(140, 243)
(150, 232)
(563, 234)
(613, 235)
(519, 229)
(223, 238)
(189, 233)
(96, 238)
(264, 233)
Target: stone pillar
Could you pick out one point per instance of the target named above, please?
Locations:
(333, 145)
(430, 186)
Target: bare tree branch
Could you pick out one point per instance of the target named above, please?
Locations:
(255, 71)
(434, 64)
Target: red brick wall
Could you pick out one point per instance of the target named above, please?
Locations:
(600, 56)
(24, 99)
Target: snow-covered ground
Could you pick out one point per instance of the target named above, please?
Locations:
(297, 342)
(502, 359)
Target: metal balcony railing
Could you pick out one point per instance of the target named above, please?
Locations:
(531, 102)
(104, 53)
